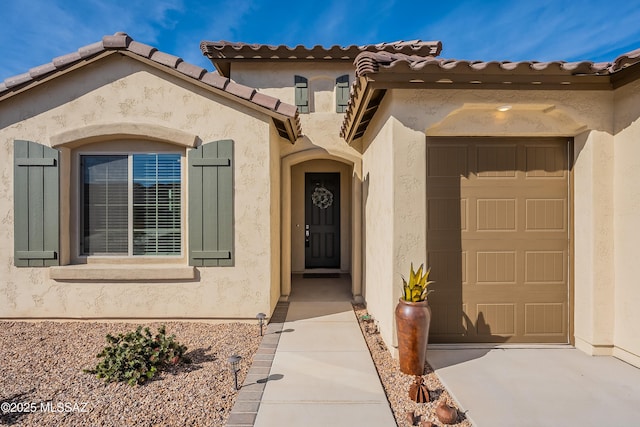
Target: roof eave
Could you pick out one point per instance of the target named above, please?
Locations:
(285, 116)
(369, 89)
(54, 74)
(291, 124)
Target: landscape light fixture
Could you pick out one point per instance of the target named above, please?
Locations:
(234, 361)
(261, 317)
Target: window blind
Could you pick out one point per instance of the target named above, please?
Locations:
(131, 215)
(105, 207)
(156, 204)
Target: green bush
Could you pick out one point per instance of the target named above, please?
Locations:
(136, 356)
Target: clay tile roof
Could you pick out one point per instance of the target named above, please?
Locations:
(398, 69)
(223, 52)
(284, 115)
(374, 62)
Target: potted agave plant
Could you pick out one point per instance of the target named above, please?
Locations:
(413, 316)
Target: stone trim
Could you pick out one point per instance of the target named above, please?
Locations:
(245, 410)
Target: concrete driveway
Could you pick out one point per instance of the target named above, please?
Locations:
(556, 386)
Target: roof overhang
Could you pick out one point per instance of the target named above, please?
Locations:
(285, 116)
(223, 53)
(377, 73)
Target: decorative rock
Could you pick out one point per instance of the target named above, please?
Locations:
(446, 414)
(411, 418)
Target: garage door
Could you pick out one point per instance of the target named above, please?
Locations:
(498, 239)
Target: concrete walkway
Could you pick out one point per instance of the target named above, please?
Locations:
(539, 386)
(321, 373)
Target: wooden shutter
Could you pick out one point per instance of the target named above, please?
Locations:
(36, 205)
(302, 94)
(342, 93)
(211, 204)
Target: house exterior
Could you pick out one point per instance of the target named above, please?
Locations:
(137, 186)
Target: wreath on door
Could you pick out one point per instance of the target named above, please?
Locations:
(322, 197)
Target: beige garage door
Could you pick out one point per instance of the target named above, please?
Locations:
(498, 239)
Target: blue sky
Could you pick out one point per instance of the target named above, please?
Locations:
(35, 31)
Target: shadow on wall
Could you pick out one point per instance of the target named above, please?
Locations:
(365, 198)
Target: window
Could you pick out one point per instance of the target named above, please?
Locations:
(131, 204)
(127, 205)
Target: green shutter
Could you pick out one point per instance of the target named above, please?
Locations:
(211, 204)
(302, 94)
(36, 205)
(342, 93)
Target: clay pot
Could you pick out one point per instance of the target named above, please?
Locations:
(412, 323)
(446, 414)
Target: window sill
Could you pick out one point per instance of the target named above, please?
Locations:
(120, 272)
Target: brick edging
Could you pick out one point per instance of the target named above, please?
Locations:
(245, 409)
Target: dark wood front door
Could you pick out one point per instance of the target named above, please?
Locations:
(322, 220)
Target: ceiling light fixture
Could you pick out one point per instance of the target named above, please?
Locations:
(504, 108)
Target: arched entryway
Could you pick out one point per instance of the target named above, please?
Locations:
(316, 171)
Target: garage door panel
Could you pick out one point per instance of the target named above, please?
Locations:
(545, 266)
(496, 161)
(546, 161)
(545, 319)
(498, 240)
(546, 214)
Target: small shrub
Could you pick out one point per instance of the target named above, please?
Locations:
(136, 356)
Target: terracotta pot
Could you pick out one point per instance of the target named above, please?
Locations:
(412, 323)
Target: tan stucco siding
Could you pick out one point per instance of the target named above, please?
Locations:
(277, 79)
(380, 278)
(593, 242)
(627, 223)
(275, 215)
(119, 89)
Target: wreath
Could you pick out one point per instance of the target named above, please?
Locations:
(322, 197)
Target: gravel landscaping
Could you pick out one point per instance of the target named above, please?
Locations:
(396, 384)
(42, 382)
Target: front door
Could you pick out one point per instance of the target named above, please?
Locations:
(322, 220)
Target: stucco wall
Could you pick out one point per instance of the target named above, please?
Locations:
(274, 217)
(587, 116)
(380, 278)
(627, 223)
(277, 79)
(121, 90)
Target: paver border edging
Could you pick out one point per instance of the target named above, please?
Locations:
(245, 409)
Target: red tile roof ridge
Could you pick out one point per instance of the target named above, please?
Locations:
(122, 41)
